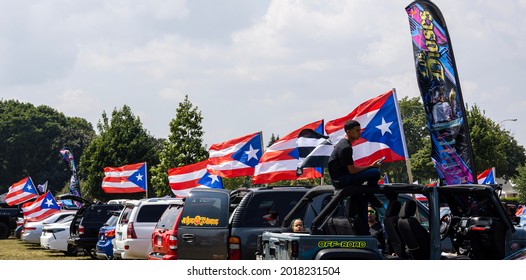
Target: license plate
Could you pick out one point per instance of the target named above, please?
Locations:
(159, 241)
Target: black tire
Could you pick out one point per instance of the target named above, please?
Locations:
(4, 231)
(72, 251)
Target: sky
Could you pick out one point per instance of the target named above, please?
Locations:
(248, 66)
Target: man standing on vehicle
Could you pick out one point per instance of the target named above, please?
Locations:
(344, 173)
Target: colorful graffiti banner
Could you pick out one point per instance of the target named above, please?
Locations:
(440, 90)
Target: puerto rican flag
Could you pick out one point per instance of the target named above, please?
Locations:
(236, 157)
(384, 180)
(381, 135)
(21, 191)
(487, 177)
(183, 179)
(125, 179)
(43, 207)
(280, 161)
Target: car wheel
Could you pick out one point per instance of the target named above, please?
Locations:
(72, 251)
(4, 231)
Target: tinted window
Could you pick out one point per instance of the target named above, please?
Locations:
(267, 209)
(167, 220)
(151, 213)
(206, 209)
(97, 214)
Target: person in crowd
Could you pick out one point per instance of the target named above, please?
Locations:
(345, 173)
(375, 227)
(297, 225)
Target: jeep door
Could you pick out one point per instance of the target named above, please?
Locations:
(203, 229)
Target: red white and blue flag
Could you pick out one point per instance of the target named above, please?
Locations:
(280, 161)
(236, 157)
(183, 179)
(129, 178)
(43, 207)
(384, 180)
(21, 191)
(381, 134)
(487, 177)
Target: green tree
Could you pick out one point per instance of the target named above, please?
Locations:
(493, 146)
(121, 141)
(30, 140)
(184, 145)
(520, 182)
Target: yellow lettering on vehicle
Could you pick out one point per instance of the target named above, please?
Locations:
(342, 244)
(199, 221)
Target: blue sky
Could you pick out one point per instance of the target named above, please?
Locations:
(270, 66)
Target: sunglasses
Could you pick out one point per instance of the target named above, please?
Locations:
(371, 212)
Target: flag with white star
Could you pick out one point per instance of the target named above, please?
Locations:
(183, 179)
(44, 206)
(236, 157)
(381, 133)
(21, 191)
(129, 178)
(280, 161)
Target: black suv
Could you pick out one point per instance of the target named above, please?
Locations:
(84, 229)
(212, 227)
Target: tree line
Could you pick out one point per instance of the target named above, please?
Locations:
(32, 136)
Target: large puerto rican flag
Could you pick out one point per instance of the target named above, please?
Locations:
(21, 191)
(129, 178)
(280, 161)
(43, 207)
(236, 157)
(487, 177)
(183, 179)
(381, 135)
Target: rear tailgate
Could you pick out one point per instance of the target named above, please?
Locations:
(203, 228)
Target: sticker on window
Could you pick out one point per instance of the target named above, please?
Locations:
(199, 221)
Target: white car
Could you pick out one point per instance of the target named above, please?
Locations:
(55, 237)
(133, 232)
(32, 230)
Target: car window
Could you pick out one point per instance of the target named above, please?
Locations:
(151, 213)
(112, 220)
(206, 209)
(167, 220)
(96, 214)
(269, 208)
(125, 216)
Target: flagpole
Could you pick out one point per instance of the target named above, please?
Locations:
(146, 177)
(406, 154)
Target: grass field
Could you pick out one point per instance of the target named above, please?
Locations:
(16, 249)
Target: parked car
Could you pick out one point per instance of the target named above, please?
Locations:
(55, 237)
(33, 230)
(164, 237)
(134, 228)
(85, 226)
(106, 236)
(208, 231)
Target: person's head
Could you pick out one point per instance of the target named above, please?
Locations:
(352, 130)
(297, 225)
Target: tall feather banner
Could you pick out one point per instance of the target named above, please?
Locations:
(440, 90)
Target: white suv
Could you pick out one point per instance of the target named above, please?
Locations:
(133, 232)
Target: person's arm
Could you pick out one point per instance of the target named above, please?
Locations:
(353, 169)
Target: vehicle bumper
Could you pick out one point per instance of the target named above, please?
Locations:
(159, 256)
(135, 249)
